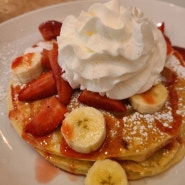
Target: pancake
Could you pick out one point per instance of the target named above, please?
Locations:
(159, 162)
(137, 136)
(143, 146)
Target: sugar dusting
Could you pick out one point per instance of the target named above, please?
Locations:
(138, 128)
(9, 51)
(174, 64)
(138, 124)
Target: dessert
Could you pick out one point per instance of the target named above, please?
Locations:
(121, 69)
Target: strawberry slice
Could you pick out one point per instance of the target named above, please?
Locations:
(102, 102)
(168, 45)
(64, 89)
(161, 27)
(50, 29)
(45, 59)
(42, 87)
(179, 52)
(48, 118)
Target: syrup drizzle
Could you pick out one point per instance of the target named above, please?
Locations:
(44, 171)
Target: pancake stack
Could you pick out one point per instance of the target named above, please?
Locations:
(144, 144)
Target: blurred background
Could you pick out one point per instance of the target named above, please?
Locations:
(13, 8)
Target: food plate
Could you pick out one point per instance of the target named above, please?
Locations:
(19, 163)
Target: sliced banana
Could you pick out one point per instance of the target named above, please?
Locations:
(150, 101)
(84, 129)
(27, 67)
(104, 172)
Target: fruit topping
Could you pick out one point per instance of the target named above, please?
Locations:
(151, 101)
(63, 87)
(42, 87)
(50, 29)
(45, 59)
(49, 117)
(27, 67)
(84, 129)
(104, 172)
(102, 102)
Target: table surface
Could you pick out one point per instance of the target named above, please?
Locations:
(13, 8)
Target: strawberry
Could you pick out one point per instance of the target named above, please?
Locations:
(102, 102)
(64, 89)
(42, 87)
(161, 27)
(45, 59)
(48, 118)
(179, 52)
(50, 29)
(168, 45)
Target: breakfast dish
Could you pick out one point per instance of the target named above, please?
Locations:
(134, 151)
(97, 89)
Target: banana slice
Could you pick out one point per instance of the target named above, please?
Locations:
(104, 172)
(150, 101)
(84, 129)
(27, 67)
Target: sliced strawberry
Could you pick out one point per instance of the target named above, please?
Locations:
(179, 57)
(42, 87)
(45, 59)
(102, 102)
(169, 45)
(64, 89)
(48, 118)
(161, 26)
(179, 52)
(50, 29)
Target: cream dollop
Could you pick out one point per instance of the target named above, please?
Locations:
(112, 50)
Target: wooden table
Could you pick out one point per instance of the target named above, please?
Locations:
(13, 8)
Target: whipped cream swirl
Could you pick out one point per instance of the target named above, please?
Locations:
(111, 50)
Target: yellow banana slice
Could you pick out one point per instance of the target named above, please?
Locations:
(150, 101)
(27, 67)
(104, 172)
(84, 129)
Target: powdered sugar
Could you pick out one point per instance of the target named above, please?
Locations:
(140, 128)
(174, 64)
(7, 54)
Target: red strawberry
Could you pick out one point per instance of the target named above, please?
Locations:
(161, 26)
(180, 50)
(45, 59)
(48, 118)
(102, 102)
(42, 87)
(64, 89)
(50, 29)
(168, 42)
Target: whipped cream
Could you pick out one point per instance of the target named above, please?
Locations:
(111, 50)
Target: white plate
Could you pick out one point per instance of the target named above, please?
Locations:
(18, 161)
